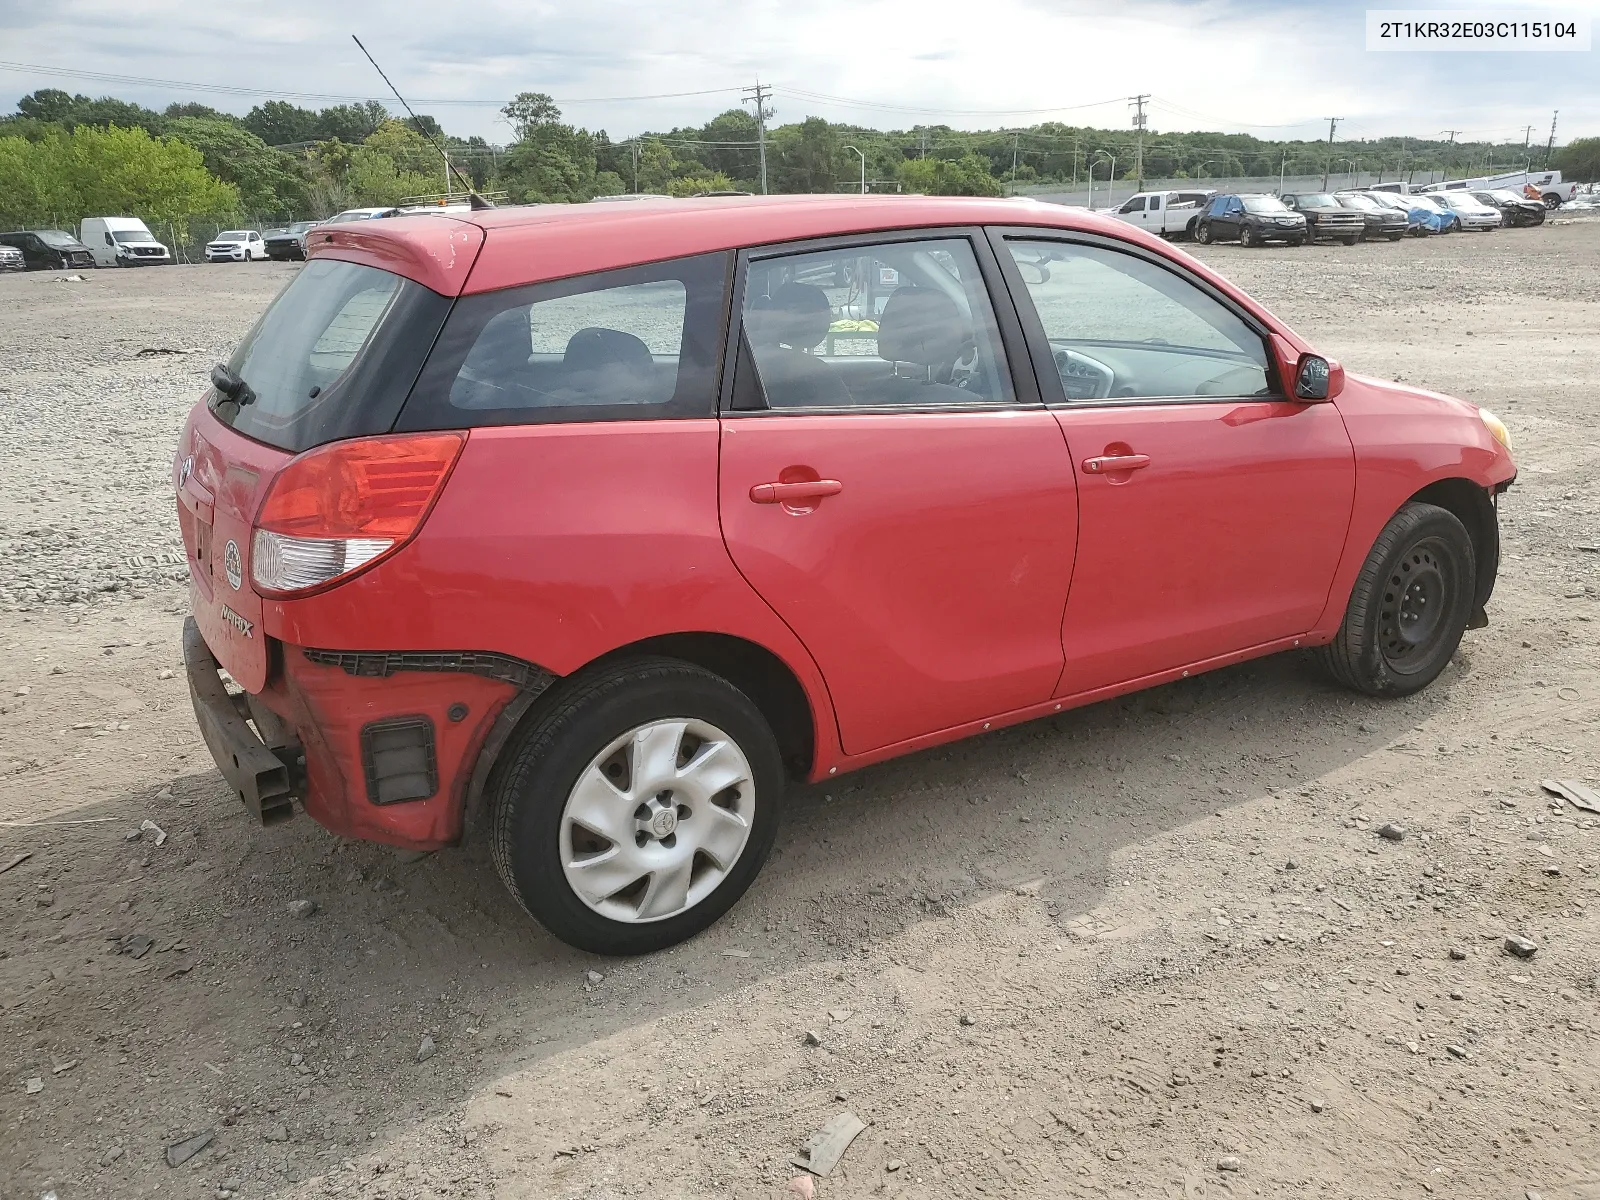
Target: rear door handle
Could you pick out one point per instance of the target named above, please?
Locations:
(783, 493)
(1105, 464)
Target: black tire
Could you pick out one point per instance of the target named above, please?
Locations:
(1351, 241)
(1395, 237)
(531, 784)
(1247, 237)
(1297, 241)
(1202, 233)
(1423, 555)
(1552, 201)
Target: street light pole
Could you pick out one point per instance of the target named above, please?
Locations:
(863, 159)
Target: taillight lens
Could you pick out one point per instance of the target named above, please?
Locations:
(342, 507)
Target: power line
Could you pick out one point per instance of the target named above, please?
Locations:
(852, 102)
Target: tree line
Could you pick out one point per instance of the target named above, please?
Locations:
(63, 156)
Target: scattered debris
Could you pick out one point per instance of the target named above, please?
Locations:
(135, 945)
(1458, 954)
(827, 1146)
(1229, 1162)
(593, 977)
(111, 1155)
(1574, 793)
(63, 1068)
(70, 279)
(302, 908)
(736, 954)
(150, 351)
(813, 1038)
(149, 826)
(1520, 946)
(427, 1050)
(1318, 1105)
(894, 1164)
(840, 1015)
(34, 1086)
(277, 1133)
(1391, 832)
(1457, 1051)
(802, 1186)
(16, 861)
(182, 1151)
(968, 1019)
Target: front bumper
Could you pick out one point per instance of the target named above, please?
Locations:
(224, 255)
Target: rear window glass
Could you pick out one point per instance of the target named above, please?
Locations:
(640, 343)
(330, 356)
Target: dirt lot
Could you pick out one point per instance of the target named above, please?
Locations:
(1152, 948)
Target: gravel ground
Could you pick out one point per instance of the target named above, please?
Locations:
(1152, 948)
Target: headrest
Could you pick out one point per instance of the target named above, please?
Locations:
(923, 326)
(592, 349)
(801, 314)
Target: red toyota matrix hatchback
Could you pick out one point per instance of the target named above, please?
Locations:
(591, 525)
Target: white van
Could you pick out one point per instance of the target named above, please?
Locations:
(122, 242)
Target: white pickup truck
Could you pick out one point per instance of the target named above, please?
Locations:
(1547, 185)
(1166, 214)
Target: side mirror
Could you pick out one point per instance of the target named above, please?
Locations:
(1317, 378)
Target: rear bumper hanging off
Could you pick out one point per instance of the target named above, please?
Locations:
(262, 780)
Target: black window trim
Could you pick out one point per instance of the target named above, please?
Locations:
(1043, 356)
(1018, 364)
(415, 414)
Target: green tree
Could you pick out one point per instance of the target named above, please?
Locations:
(267, 179)
(1579, 159)
(93, 171)
(550, 160)
(806, 157)
(50, 104)
(350, 122)
(528, 112)
(691, 185)
(279, 123)
(965, 176)
(608, 183)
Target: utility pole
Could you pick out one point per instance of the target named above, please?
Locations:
(636, 165)
(1138, 123)
(923, 152)
(1551, 144)
(1327, 162)
(1014, 139)
(759, 94)
(1527, 135)
(1452, 141)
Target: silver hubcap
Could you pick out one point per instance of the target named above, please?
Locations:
(657, 820)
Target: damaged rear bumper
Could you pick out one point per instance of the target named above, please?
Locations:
(265, 780)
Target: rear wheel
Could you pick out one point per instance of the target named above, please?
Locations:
(1409, 606)
(638, 808)
(1202, 233)
(1552, 201)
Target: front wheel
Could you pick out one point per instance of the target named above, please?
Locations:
(638, 808)
(1395, 237)
(1247, 237)
(1409, 606)
(1350, 241)
(1297, 241)
(1202, 233)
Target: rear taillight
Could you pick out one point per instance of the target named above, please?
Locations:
(342, 507)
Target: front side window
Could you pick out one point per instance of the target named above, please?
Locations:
(896, 324)
(1132, 206)
(1122, 327)
(635, 344)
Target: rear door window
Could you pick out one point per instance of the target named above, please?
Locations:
(332, 357)
(640, 343)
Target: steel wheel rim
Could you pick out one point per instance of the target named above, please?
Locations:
(657, 820)
(1415, 608)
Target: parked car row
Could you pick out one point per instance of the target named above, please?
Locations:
(1295, 218)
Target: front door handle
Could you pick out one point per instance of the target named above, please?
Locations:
(784, 493)
(1105, 464)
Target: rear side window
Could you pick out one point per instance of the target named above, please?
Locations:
(333, 356)
(642, 343)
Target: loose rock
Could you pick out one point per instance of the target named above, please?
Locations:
(1389, 831)
(1520, 946)
(302, 908)
(1229, 1162)
(427, 1050)
(181, 1152)
(813, 1038)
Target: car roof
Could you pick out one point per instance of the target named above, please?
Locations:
(540, 242)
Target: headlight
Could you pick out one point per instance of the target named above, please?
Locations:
(1496, 427)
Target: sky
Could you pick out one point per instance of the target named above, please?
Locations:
(1270, 67)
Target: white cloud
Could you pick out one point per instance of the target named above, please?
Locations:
(1270, 67)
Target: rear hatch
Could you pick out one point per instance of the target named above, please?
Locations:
(333, 357)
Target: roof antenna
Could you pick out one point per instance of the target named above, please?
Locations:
(474, 201)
